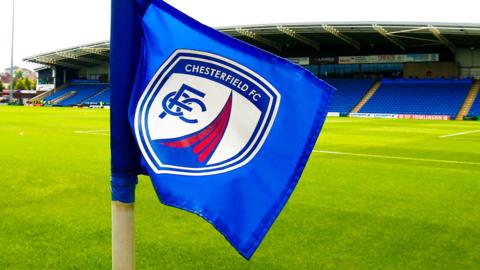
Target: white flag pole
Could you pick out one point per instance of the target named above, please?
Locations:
(12, 73)
(123, 246)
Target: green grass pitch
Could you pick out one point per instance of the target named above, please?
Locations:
(381, 194)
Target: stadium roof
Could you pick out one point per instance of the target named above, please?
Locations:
(310, 38)
(87, 55)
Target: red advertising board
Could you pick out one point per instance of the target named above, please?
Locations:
(424, 116)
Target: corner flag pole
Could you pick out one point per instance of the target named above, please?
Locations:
(10, 97)
(123, 247)
(124, 49)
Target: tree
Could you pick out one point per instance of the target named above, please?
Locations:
(28, 83)
(20, 84)
(18, 74)
(23, 83)
(1, 86)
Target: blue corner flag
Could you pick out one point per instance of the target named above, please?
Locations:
(222, 128)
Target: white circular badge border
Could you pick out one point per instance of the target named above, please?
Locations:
(148, 94)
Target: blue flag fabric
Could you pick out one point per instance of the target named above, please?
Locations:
(222, 128)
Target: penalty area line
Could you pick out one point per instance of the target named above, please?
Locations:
(459, 133)
(397, 158)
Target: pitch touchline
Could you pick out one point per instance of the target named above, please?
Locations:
(459, 133)
(399, 158)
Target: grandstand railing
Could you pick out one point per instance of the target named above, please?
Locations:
(469, 100)
(63, 97)
(367, 97)
(86, 101)
(49, 93)
(82, 94)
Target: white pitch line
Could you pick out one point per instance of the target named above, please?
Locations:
(333, 121)
(89, 131)
(93, 133)
(102, 132)
(459, 133)
(398, 158)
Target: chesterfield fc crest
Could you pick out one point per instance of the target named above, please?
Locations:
(203, 114)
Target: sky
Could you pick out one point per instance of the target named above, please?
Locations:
(47, 25)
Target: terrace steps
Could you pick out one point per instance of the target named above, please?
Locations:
(49, 93)
(98, 93)
(467, 104)
(98, 98)
(367, 97)
(64, 97)
(82, 93)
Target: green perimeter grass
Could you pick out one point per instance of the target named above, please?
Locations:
(348, 212)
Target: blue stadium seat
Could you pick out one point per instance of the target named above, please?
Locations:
(103, 97)
(56, 95)
(349, 93)
(419, 96)
(82, 92)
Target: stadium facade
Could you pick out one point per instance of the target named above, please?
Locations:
(381, 69)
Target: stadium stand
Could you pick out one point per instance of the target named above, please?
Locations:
(102, 97)
(419, 96)
(56, 95)
(344, 64)
(82, 92)
(349, 93)
(475, 110)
